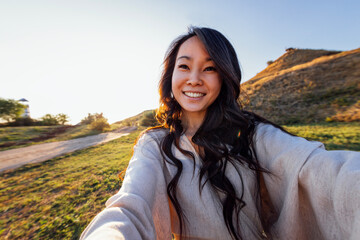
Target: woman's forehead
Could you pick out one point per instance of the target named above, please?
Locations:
(192, 47)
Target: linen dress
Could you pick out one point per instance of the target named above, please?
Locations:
(311, 194)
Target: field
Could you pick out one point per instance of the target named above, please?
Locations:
(58, 198)
(335, 136)
(17, 137)
(16, 134)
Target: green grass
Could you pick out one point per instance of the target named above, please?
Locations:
(335, 136)
(58, 198)
(16, 134)
(72, 133)
(133, 121)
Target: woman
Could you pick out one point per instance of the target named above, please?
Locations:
(214, 171)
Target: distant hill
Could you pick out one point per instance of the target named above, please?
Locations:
(304, 86)
(133, 121)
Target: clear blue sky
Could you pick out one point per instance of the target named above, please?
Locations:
(79, 57)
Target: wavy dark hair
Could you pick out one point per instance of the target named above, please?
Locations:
(225, 124)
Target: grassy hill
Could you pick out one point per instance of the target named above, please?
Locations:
(133, 121)
(304, 86)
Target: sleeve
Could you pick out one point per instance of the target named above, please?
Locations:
(140, 209)
(315, 193)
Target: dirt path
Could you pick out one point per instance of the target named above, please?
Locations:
(14, 158)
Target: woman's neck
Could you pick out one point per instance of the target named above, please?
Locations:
(191, 122)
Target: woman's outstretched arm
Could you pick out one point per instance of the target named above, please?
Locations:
(140, 209)
(315, 193)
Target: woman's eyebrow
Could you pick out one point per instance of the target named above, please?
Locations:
(189, 58)
(186, 57)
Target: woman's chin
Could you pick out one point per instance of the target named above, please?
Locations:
(193, 110)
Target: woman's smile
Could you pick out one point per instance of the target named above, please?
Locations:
(196, 95)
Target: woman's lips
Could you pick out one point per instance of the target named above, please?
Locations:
(194, 94)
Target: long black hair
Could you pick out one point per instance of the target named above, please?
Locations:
(225, 124)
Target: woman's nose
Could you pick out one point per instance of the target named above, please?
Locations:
(194, 79)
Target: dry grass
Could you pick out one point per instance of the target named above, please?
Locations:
(292, 58)
(133, 121)
(307, 92)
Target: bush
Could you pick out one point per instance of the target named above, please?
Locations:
(90, 118)
(96, 121)
(87, 120)
(49, 120)
(270, 62)
(148, 120)
(24, 122)
(100, 124)
(62, 118)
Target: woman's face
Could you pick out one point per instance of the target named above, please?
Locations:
(195, 81)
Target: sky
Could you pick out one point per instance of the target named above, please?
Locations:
(80, 57)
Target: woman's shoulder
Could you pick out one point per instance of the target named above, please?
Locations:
(265, 130)
(272, 140)
(152, 135)
(148, 145)
(269, 132)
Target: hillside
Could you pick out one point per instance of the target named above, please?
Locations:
(304, 86)
(134, 120)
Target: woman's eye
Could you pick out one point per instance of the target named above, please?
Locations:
(210, 69)
(183, 66)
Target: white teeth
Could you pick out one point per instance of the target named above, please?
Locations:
(193, 94)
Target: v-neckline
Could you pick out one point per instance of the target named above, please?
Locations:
(191, 146)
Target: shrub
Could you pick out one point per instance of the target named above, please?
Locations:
(96, 121)
(91, 118)
(148, 120)
(88, 119)
(25, 121)
(49, 120)
(22, 122)
(100, 124)
(62, 118)
(270, 62)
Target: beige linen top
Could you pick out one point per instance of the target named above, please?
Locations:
(311, 194)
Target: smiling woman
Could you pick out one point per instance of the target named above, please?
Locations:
(212, 170)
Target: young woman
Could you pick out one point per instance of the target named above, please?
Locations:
(214, 171)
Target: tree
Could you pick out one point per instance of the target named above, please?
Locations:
(11, 109)
(62, 118)
(49, 120)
